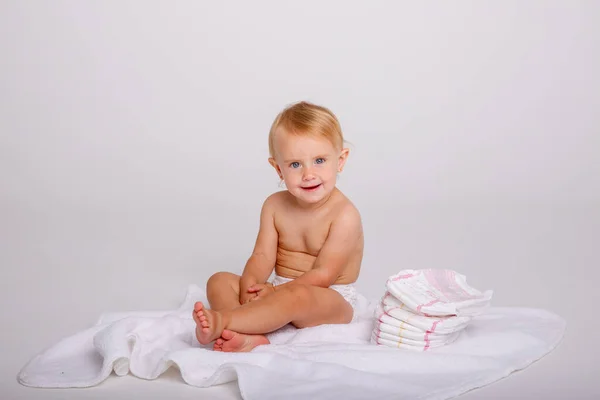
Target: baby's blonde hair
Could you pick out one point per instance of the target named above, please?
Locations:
(304, 118)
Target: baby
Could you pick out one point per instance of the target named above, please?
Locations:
(310, 234)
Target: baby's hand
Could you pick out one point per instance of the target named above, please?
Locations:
(261, 290)
(246, 297)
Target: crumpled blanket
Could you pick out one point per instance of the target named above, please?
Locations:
(329, 361)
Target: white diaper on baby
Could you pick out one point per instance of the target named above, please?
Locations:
(348, 291)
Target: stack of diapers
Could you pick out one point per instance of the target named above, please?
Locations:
(425, 309)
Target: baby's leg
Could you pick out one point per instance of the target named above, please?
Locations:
(302, 305)
(222, 291)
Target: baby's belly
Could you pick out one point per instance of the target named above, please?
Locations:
(292, 264)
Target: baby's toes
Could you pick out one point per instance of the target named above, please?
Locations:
(196, 317)
(198, 306)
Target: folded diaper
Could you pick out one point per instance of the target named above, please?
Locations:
(398, 310)
(437, 292)
(403, 333)
(386, 318)
(425, 309)
(398, 333)
(419, 344)
(406, 344)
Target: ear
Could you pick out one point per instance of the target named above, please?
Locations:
(274, 165)
(342, 159)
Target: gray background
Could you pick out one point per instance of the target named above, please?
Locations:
(133, 158)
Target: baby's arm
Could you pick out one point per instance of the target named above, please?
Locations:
(262, 261)
(344, 236)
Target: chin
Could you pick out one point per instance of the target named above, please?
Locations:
(312, 198)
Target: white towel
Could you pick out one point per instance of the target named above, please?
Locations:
(437, 292)
(330, 361)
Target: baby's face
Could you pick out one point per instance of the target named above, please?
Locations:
(308, 165)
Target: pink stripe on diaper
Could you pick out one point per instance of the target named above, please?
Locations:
(427, 342)
(427, 305)
(377, 337)
(406, 276)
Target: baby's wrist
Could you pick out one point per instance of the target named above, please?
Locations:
(246, 282)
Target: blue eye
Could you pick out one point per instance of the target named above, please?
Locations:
(320, 160)
(295, 164)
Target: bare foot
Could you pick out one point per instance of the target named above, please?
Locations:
(235, 342)
(209, 323)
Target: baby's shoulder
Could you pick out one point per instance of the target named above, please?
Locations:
(347, 212)
(277, 197)
(275, 200)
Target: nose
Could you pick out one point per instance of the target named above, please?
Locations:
(307, 174)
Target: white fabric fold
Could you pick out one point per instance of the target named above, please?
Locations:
(329, 361)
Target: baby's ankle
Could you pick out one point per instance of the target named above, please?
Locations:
(225, 318)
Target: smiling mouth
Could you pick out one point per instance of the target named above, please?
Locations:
(310, 188)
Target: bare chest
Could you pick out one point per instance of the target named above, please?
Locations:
(305, 235)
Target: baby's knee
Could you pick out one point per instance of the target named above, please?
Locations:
(221, 278)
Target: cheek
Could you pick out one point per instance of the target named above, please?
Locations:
(329, 173)
(290, 174)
